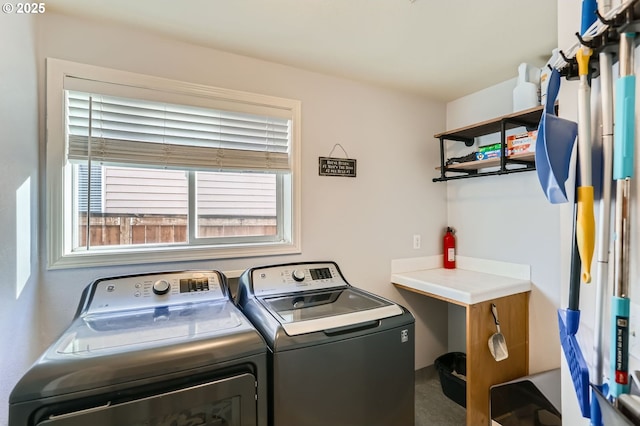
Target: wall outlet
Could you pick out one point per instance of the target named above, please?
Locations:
(416, 241)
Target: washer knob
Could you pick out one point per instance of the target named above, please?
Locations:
(298, 275)
(161, 287)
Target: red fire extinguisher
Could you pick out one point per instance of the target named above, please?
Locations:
(449, 249)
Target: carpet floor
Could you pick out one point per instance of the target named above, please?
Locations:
(432, 407)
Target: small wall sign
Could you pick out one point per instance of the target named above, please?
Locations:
(330, 166)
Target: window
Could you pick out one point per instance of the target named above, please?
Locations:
(143, 169)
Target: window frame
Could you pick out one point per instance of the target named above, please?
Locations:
(59, 255)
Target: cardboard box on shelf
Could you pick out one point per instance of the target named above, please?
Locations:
(492, 147)
(488, 154)
(522, 142)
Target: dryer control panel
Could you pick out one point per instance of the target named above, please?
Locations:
(284, 279)
(154, 290)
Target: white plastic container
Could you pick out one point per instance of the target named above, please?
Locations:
(525, 94)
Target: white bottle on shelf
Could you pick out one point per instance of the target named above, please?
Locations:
(525, 94)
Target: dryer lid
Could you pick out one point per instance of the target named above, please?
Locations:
(309, 312)
(135, 329)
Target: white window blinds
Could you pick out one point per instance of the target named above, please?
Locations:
(143, 132)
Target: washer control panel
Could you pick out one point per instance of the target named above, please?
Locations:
(153, 290)
(284, 279)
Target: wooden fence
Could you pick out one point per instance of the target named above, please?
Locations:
(119, 229)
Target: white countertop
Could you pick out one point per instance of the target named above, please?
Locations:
(473, 281)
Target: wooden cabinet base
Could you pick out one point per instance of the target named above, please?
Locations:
(483, 370)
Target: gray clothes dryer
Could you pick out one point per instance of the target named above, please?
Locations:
(338, 355)
(156, 349)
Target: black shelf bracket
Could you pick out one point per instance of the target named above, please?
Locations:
(491, 173)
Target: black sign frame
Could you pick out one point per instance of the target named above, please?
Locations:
(331, 166)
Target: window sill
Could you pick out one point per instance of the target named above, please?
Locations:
(173, 254)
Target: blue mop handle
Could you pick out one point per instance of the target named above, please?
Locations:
(620, 350)
(589, 16)
(625, 111)
(624, 136)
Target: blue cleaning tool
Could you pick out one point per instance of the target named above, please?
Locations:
(554, 144)
(589, 8)
(568, 322)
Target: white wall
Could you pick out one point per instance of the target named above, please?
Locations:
(507, 218)
(362, 223)
(19, 175)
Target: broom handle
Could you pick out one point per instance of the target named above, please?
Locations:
(623, 165)
(585, 232)
(604, 238)
(574, 274)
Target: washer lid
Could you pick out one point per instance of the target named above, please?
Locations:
(111, 352)
(129, 330)
(323, 310)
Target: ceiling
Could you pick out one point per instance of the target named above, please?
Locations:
(443, 49)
